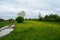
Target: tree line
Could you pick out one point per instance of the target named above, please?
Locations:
(20, 18)
(51, 17)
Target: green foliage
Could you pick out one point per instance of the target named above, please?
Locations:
(19, 19)
(46, 18)
(40, 19)
(11, 20)
(51, 17)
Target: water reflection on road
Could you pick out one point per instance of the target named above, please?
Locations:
(6, 31)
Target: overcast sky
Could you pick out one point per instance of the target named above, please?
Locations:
(10, 8)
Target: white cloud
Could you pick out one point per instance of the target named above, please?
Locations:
(10, 8)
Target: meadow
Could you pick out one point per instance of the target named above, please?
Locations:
(34, 30)
(4, 23)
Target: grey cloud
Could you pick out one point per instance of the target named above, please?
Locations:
(9, 8)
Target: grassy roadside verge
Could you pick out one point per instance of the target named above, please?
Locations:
(4, 23)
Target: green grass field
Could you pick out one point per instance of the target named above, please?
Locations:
(4, 23)
(33, 30)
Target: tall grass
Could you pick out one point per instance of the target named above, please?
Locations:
(31, 30)
(4, 23)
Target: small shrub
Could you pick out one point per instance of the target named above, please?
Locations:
(19, 19)
(11, 20)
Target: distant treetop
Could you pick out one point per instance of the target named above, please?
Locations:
(21, 13)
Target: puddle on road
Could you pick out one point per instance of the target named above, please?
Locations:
(5, 31)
